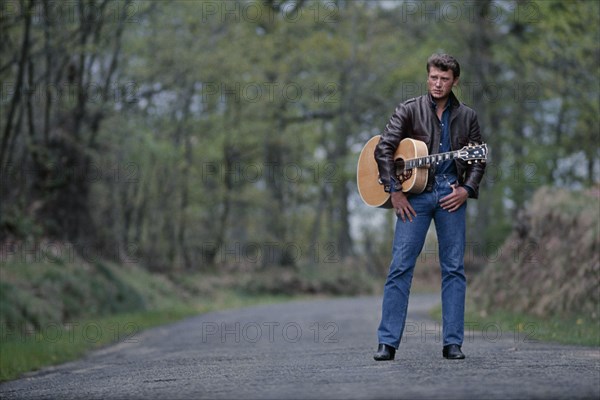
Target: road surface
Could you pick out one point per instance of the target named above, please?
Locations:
(317, 349)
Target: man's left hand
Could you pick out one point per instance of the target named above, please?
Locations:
(454, 200)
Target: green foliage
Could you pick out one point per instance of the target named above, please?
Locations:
(219, 139)
(57, 343)
(53, 290)
(330, 279)
(265, 78)
(526, 328)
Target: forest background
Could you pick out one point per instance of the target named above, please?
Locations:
(195, 139)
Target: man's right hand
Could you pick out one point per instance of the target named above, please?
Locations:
(402, 207)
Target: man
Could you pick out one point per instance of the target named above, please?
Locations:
(444, 124)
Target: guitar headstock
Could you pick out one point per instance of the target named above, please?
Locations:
(473, 153)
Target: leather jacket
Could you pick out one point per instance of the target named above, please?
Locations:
(416, 119)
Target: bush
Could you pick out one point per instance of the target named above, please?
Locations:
(549, 265)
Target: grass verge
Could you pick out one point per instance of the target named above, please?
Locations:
(577, 330)
(22, 352)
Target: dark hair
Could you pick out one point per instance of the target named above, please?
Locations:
(444, 62)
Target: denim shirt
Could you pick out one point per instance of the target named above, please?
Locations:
(445, 167)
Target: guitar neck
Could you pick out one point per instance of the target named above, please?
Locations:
(430, 159)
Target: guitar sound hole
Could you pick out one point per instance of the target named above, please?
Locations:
(399, 164)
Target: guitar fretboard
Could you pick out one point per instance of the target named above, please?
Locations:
(431, 159)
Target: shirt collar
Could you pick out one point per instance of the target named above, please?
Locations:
(449, 104)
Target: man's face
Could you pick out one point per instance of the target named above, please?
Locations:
(440, 83)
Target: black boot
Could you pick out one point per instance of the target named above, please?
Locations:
(384, 353)
(453, 352)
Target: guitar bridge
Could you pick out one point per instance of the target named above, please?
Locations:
(402, 174)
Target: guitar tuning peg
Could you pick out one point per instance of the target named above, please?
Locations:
(469, 162)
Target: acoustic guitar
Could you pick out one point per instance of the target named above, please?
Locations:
(412, 163)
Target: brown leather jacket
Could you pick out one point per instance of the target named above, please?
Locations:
(416, 119)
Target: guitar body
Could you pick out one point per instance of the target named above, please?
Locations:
(367, 173)
(412, 168)
(367, 177)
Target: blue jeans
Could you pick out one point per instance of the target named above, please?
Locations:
(408, 243)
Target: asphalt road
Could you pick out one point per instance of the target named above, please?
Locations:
(319, 349)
